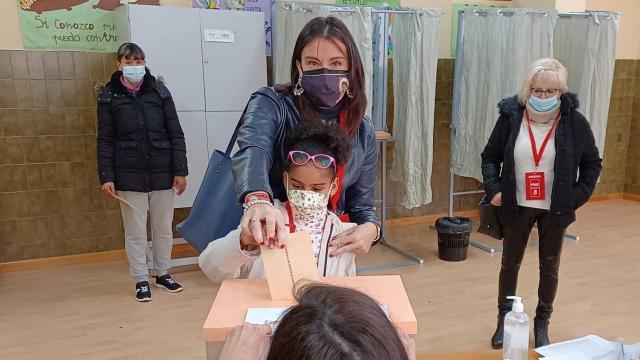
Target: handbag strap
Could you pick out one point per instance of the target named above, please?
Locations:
(234, 137)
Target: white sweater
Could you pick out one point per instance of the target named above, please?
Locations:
(224, 259)
(524, 161)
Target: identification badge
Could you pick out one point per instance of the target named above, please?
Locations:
(534, 185)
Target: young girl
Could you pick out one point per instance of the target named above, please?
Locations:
(315, 151)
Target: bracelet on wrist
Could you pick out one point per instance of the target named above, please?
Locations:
(258, 195)
(379, 232)
(249, 204)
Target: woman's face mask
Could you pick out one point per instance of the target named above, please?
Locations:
(324, 87)
(133, 69)
(135, 74)
(543, 105)
(323, 70)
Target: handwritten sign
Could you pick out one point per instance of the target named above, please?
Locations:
(69, 25)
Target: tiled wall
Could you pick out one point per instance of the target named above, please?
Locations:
(632, 183)
(50, 200)
(618, 140)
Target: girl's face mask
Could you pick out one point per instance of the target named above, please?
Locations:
(306, 202)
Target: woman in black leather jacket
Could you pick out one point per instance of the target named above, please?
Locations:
(542, 187)
(327, 85)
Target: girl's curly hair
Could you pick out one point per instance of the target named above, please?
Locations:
(319, 137)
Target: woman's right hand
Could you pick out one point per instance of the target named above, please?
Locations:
(109, 189)
(497, 200)
(264, 225)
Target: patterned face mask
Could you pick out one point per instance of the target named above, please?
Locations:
(309, 212)
(308, 204)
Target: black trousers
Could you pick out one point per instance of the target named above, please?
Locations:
(515, 244)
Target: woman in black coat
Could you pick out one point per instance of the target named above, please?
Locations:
(141, 158)
(541, 164)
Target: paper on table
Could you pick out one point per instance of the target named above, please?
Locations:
(265, 316)
(566, 357)
(272, 316)
(632, 352)
(590, 347)
(285, 267)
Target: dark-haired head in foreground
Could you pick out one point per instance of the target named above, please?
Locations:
(335, 323)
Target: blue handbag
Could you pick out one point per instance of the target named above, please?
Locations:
(216, 210)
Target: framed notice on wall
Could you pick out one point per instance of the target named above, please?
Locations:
(263, 6)
(374, 3)
(70, 25)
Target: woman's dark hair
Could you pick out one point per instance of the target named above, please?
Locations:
(334, 30)
(335, 323)
(319, 137)
(130, 51)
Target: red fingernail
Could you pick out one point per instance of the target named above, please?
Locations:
(281, 246)
(330, 245)
(261, 242)
(272, 240)
(330, 255)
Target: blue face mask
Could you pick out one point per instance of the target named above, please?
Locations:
(543, 105)
(135, 74)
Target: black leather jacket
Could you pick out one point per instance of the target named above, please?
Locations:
(575, 151)
(259, 163)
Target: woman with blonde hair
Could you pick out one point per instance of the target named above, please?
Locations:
(540, 164)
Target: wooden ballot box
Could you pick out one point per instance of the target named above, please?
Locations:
(236, 296)
(284, 269)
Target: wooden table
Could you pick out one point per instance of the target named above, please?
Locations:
(472, 355)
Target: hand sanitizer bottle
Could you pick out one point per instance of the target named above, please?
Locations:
(516, 332)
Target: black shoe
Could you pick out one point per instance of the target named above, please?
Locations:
(541, 332)
(498, 337)
(143, 293)
(166, 282)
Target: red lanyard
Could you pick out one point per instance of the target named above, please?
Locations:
(292, 225)
(537, 155)
(340, 171)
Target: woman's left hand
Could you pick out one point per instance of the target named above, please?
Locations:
(357, 240)
(247, 342)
